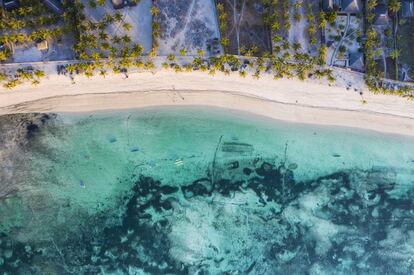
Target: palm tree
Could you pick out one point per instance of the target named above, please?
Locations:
(4, 55)
(150, 65)
(296, 46)
(12, 83)
(322, 20)
(136, 50)
(92, 4)
(212, 72)
(35, 82)
(372, 4)
(394, 54)
(101, 2)
(116, 39)
(126, 39)
(105, 46)
(108, 19)
(139, 64)
(153, 52)
(39, 73)
(177, 68)
(116, 70)
(200, 52)
(3, 77)
(171, 57)
(127, 26)
(154, 11)
(118, 17)
(188, 68)
(23, 74)
(256, 75)
(394, 6)
(103, 35)
(183, 52)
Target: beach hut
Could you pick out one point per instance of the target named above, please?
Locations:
(356, 61)
(381, 15)
(42, 45)
(119, 4)
(351, 6)
(328, 5)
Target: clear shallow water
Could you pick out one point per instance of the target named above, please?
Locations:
(190, 190)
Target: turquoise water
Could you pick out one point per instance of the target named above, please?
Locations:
(204, 191)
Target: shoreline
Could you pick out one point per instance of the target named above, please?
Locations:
(288, 100)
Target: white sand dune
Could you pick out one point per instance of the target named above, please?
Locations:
(285, 99)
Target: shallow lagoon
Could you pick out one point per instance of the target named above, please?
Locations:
(205, 190)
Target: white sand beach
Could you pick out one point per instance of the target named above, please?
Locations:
(286, 99)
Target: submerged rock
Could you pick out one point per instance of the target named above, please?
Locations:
(292, 166)
(247, 171)
(232, 165)
(201, 187)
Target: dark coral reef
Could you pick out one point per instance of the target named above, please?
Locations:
(349, 221)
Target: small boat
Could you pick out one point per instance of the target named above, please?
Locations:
(179, 162)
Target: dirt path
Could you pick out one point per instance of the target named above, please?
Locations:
(348, 22)
(237, 19)
(187, 20)
(395, 45)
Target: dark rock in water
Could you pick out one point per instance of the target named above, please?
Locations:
(232, 165)
(336, 155)
(382, 176)
(14, 257)
(44, 118)
(264, 169)
(166, 205)
(250, 268)
(227, 187)
(293, 166)
(188, 194)
(163, 223)
(31, 129)
(166, 189)
(201, 187)
(289, 177)
(247, 171)
(134, 149)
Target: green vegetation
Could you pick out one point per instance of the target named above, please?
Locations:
(289, 60)
(22, 75)
(156, 30)
(222, 17)
(31, 22)
(95, 48)
(99, 52)
(373, 77)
